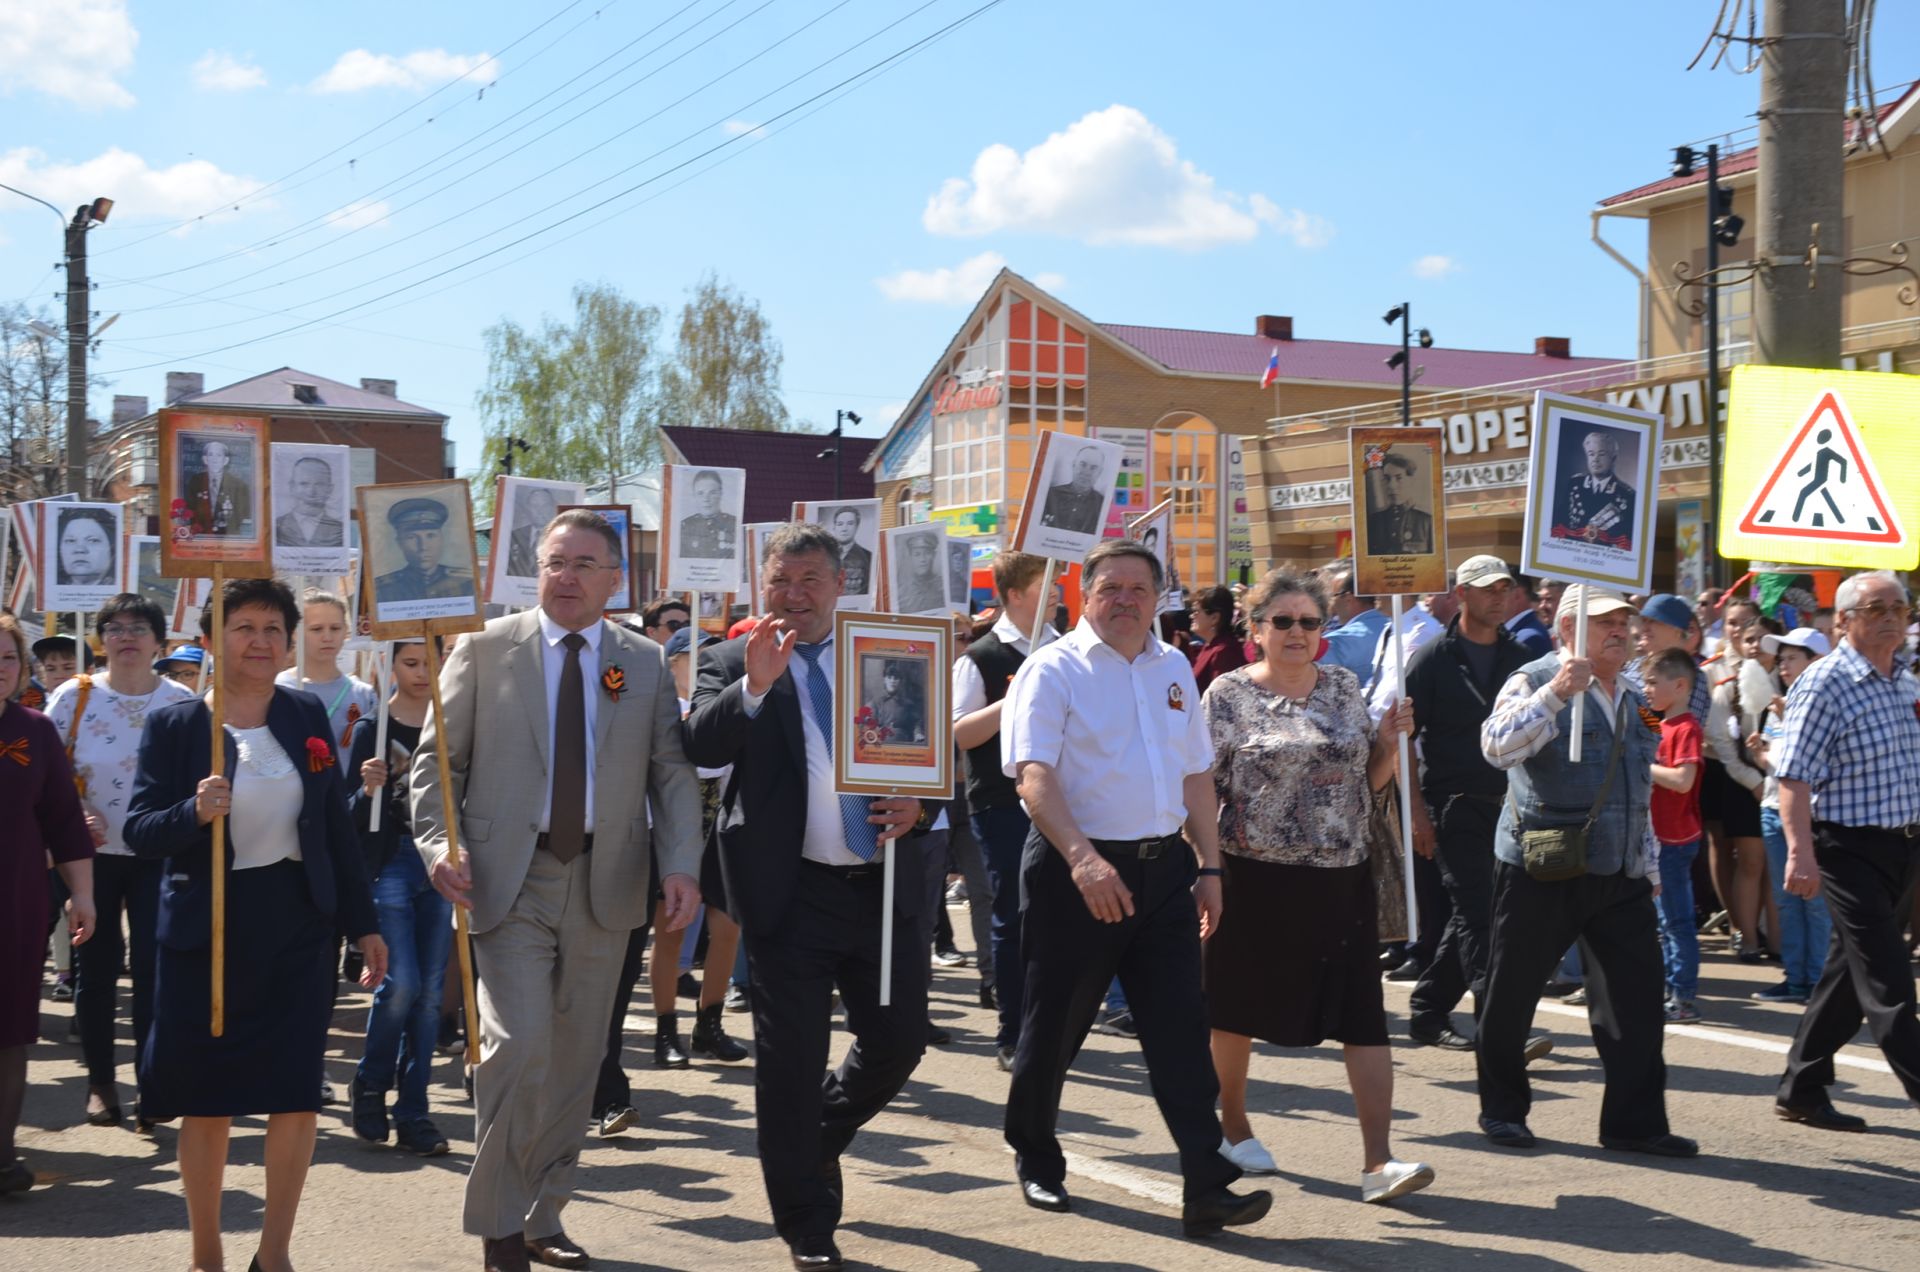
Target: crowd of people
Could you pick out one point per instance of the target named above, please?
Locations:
(1174, 822)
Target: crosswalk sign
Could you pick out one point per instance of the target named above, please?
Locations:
(1808, 452)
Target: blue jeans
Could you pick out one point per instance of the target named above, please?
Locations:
(1002, 833)
(1806, 925)
(417, 925)
(1679, 933)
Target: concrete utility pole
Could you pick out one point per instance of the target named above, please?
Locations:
(79, 321)
(1803, 88)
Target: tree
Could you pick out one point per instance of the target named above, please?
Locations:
(33, 404)
(583, 395)
(726, 367)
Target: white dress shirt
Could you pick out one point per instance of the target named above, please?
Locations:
(553, 661)
(824, 839)
(1417, 627)
(1121, 737)
(969, 687)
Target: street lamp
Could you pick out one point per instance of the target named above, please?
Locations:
(1403, 360)
(840, 420)
(1723, 230)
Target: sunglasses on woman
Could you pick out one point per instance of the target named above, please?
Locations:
(1285, 622)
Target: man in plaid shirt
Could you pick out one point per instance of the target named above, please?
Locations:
(1849, 767)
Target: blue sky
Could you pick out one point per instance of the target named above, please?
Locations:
(1173, 165)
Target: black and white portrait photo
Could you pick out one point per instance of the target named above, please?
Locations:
(893, 695)
(1068, 496)
(420, 537)
(917, 569)
(522, 507)
(81, 543)
(855, 527)
(702, 515)
(708, 532)
(312, 501)
(1399, 503)
(959, 575)
(1075, 500)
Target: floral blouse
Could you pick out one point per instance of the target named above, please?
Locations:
(1291, 776)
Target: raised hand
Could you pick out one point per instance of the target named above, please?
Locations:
(769, 650)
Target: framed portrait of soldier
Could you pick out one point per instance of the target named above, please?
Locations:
(214, 482)
(891, 704)
(626, 597)
(1153, 529)
(80, 550)
(312, 504)
(914, 559)
(715, 612)
(522, 507)
(143, 574)
(1593, 493)
(855, 527)
(959, 574)
(753, 550)
(702, 515)
(418, 541)
(1064, 514)
(1399, 510)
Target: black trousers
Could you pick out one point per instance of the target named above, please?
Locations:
(1463, 831)
(830, 936)
(133, 884)
(1071, 959)
(1868, 879)
(611, 1087)
(1613, 918)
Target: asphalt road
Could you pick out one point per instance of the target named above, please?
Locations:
(930, 1182)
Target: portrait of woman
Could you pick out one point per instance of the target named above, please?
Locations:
(86, 556)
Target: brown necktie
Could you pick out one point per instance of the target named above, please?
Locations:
(567, 821)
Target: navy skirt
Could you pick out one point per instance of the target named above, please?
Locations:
(271, 1058)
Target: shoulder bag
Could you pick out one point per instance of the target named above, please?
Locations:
(1556, 853)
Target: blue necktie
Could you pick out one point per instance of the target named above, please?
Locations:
(863, 838)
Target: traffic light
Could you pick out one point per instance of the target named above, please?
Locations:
(1726, 225)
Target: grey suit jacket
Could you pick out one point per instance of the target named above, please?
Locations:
(494, 728)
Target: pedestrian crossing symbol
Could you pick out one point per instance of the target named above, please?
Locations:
(1805, 454)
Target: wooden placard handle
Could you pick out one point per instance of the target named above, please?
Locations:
(219, 709)
(449, 817)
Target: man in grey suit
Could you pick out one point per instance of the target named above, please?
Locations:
(558, 728)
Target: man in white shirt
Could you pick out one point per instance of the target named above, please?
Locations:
(1104, 733)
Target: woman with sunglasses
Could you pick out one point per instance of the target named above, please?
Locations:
(1297, 760)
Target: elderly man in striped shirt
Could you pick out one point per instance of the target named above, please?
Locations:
(1849, 768)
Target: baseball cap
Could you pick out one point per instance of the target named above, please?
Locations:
(1481, 571)
(1599, 600)
(55, 645)
(681, 641)
(1810, 639)
(186, 656)
(1667, 608)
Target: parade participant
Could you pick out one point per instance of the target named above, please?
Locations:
(803, 870)
(1738, 704)
(1293, 960)
(554, 865)
(1851, 811)
(1674, 813)
(45, 821)
(1221, 650)
(182, 666)
(1104, 733)
(1357, 625)
(101, 718)
(1523, 615)
(981, 677)
(663, 617)
(1587, 882)
(348, 699)
(1806, 925)
(415, 921)
(59, 660)
(1452, 682)
(294, 875)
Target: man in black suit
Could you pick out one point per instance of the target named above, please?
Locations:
(803, 871)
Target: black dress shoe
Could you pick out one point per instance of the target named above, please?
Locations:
(1046, 1196)
(1822, 1115)
(815, 1254)
(938, 1036)
(1221, 1208)
(557, 1252)
(987, 999)
(1656, 1145)
(1507, 1134)
(505, 1254)
(1444, 1038)
(15, 1177)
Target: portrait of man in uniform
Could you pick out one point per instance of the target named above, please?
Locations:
(1400, 526)
(310, 522)
(960, 575)
(1074, 505)
(535, 509)
(1594, 503)
(919, 582)
(708, 533)
(899, 701)
(219, 500)
(857, 561)
(418, 529)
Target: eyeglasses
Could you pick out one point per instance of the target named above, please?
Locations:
(1879, 610)
(126, 629)
(584, 568)
(1285, 622)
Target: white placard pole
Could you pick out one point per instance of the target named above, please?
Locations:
(1040, 610)
(886, 924)
(383, 688)
(1406, 770)
(1580, 699)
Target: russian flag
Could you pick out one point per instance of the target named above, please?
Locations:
(1272, 372)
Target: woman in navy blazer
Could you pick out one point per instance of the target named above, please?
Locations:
(295, 875)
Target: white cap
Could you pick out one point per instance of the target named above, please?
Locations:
(1481, 571)
(1810, 639)
(1599, 601)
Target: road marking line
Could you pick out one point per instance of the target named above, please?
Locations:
(1126, 1178)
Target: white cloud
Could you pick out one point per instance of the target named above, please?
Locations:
(224, 73)
(1435, 267)
(74, 50)
(741, 128)
(956, 285)
(358, 216)
(360, 70)
(136, 187)
(1110, 177)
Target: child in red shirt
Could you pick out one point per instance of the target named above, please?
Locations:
(1675, 811)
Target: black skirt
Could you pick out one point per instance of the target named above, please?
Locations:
(271, 1057)
(1296, 959)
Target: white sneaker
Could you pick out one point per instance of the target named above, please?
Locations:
(1249, 1156)
(1395, 1179)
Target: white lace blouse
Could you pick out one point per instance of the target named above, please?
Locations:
(267, 794)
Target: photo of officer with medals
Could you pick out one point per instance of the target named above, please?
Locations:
(1595, 503)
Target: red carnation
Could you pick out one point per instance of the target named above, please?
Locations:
(319, 755)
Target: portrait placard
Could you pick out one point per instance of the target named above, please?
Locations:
(1069, 491)
(189, 599)
(914, 563)
(1399, 510)
(143, 572)
(1154, 530)
(1593, 493)
(213, 477)
(754, 550)
(313, 500)
(855, 526)
(420, 558)
(891, 691)
(716, 612)
(522, 507)
(959, 574)
(24, 520)
(80, 548)
(701, 513)
(625, 598)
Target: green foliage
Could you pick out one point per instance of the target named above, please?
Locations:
(726, 367)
